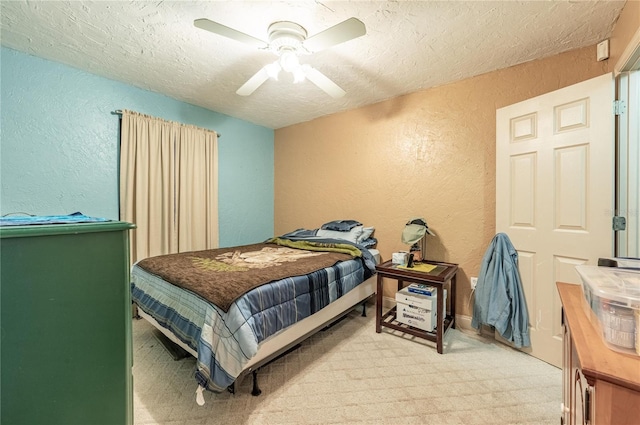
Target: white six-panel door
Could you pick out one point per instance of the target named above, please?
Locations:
(554, 195)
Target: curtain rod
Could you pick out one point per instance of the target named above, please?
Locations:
(119, 112)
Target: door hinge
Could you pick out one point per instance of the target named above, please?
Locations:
(619, 223)
(619, 107)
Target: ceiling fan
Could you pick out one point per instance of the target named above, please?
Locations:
(288, 40)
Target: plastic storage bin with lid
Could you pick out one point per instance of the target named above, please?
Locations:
(613, 295)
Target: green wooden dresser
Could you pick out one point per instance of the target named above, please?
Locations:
(66, 353)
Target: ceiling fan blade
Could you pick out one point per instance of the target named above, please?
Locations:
(253, 83)
(339, 33)
(323, 82)
(225, 31)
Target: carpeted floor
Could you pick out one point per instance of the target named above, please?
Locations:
(348, 374)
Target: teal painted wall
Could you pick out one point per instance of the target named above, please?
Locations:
(59, 147)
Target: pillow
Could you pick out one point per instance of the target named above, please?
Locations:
(340, 225)
(366, 233)
(351, 236)
(369, 243)
(300, 233)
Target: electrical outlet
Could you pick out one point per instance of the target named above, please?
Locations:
(474, 282)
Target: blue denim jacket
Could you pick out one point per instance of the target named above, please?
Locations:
(499, 299)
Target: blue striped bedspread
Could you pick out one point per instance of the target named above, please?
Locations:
(225, 342)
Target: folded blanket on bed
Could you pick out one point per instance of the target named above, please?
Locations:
(319, 246)
(222, 275)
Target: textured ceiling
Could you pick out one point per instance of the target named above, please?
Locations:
(409, 46)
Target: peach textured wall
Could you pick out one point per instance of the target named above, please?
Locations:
(625, 29)
(429, 153)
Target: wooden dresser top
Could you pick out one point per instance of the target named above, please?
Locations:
(596, 359)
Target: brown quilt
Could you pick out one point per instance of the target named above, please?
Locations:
(222, 275)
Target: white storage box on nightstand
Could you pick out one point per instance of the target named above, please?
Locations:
(418, 310)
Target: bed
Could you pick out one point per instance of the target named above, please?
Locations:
(236, 309)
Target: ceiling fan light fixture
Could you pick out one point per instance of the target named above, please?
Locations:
(285, 36)
(299, 75)
(287, 40)
(285, 43)
(273, 70)
(289, 61)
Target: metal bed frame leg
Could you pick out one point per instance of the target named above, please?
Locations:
(256, 391)
(232, 388)
(364, 309)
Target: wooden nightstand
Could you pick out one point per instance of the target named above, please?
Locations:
(443, 275)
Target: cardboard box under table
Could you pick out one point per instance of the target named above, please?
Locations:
(418, 310)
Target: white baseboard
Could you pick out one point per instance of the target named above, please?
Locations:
(464, 322)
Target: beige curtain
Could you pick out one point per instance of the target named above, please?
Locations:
(197, 195)
(168, 185)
